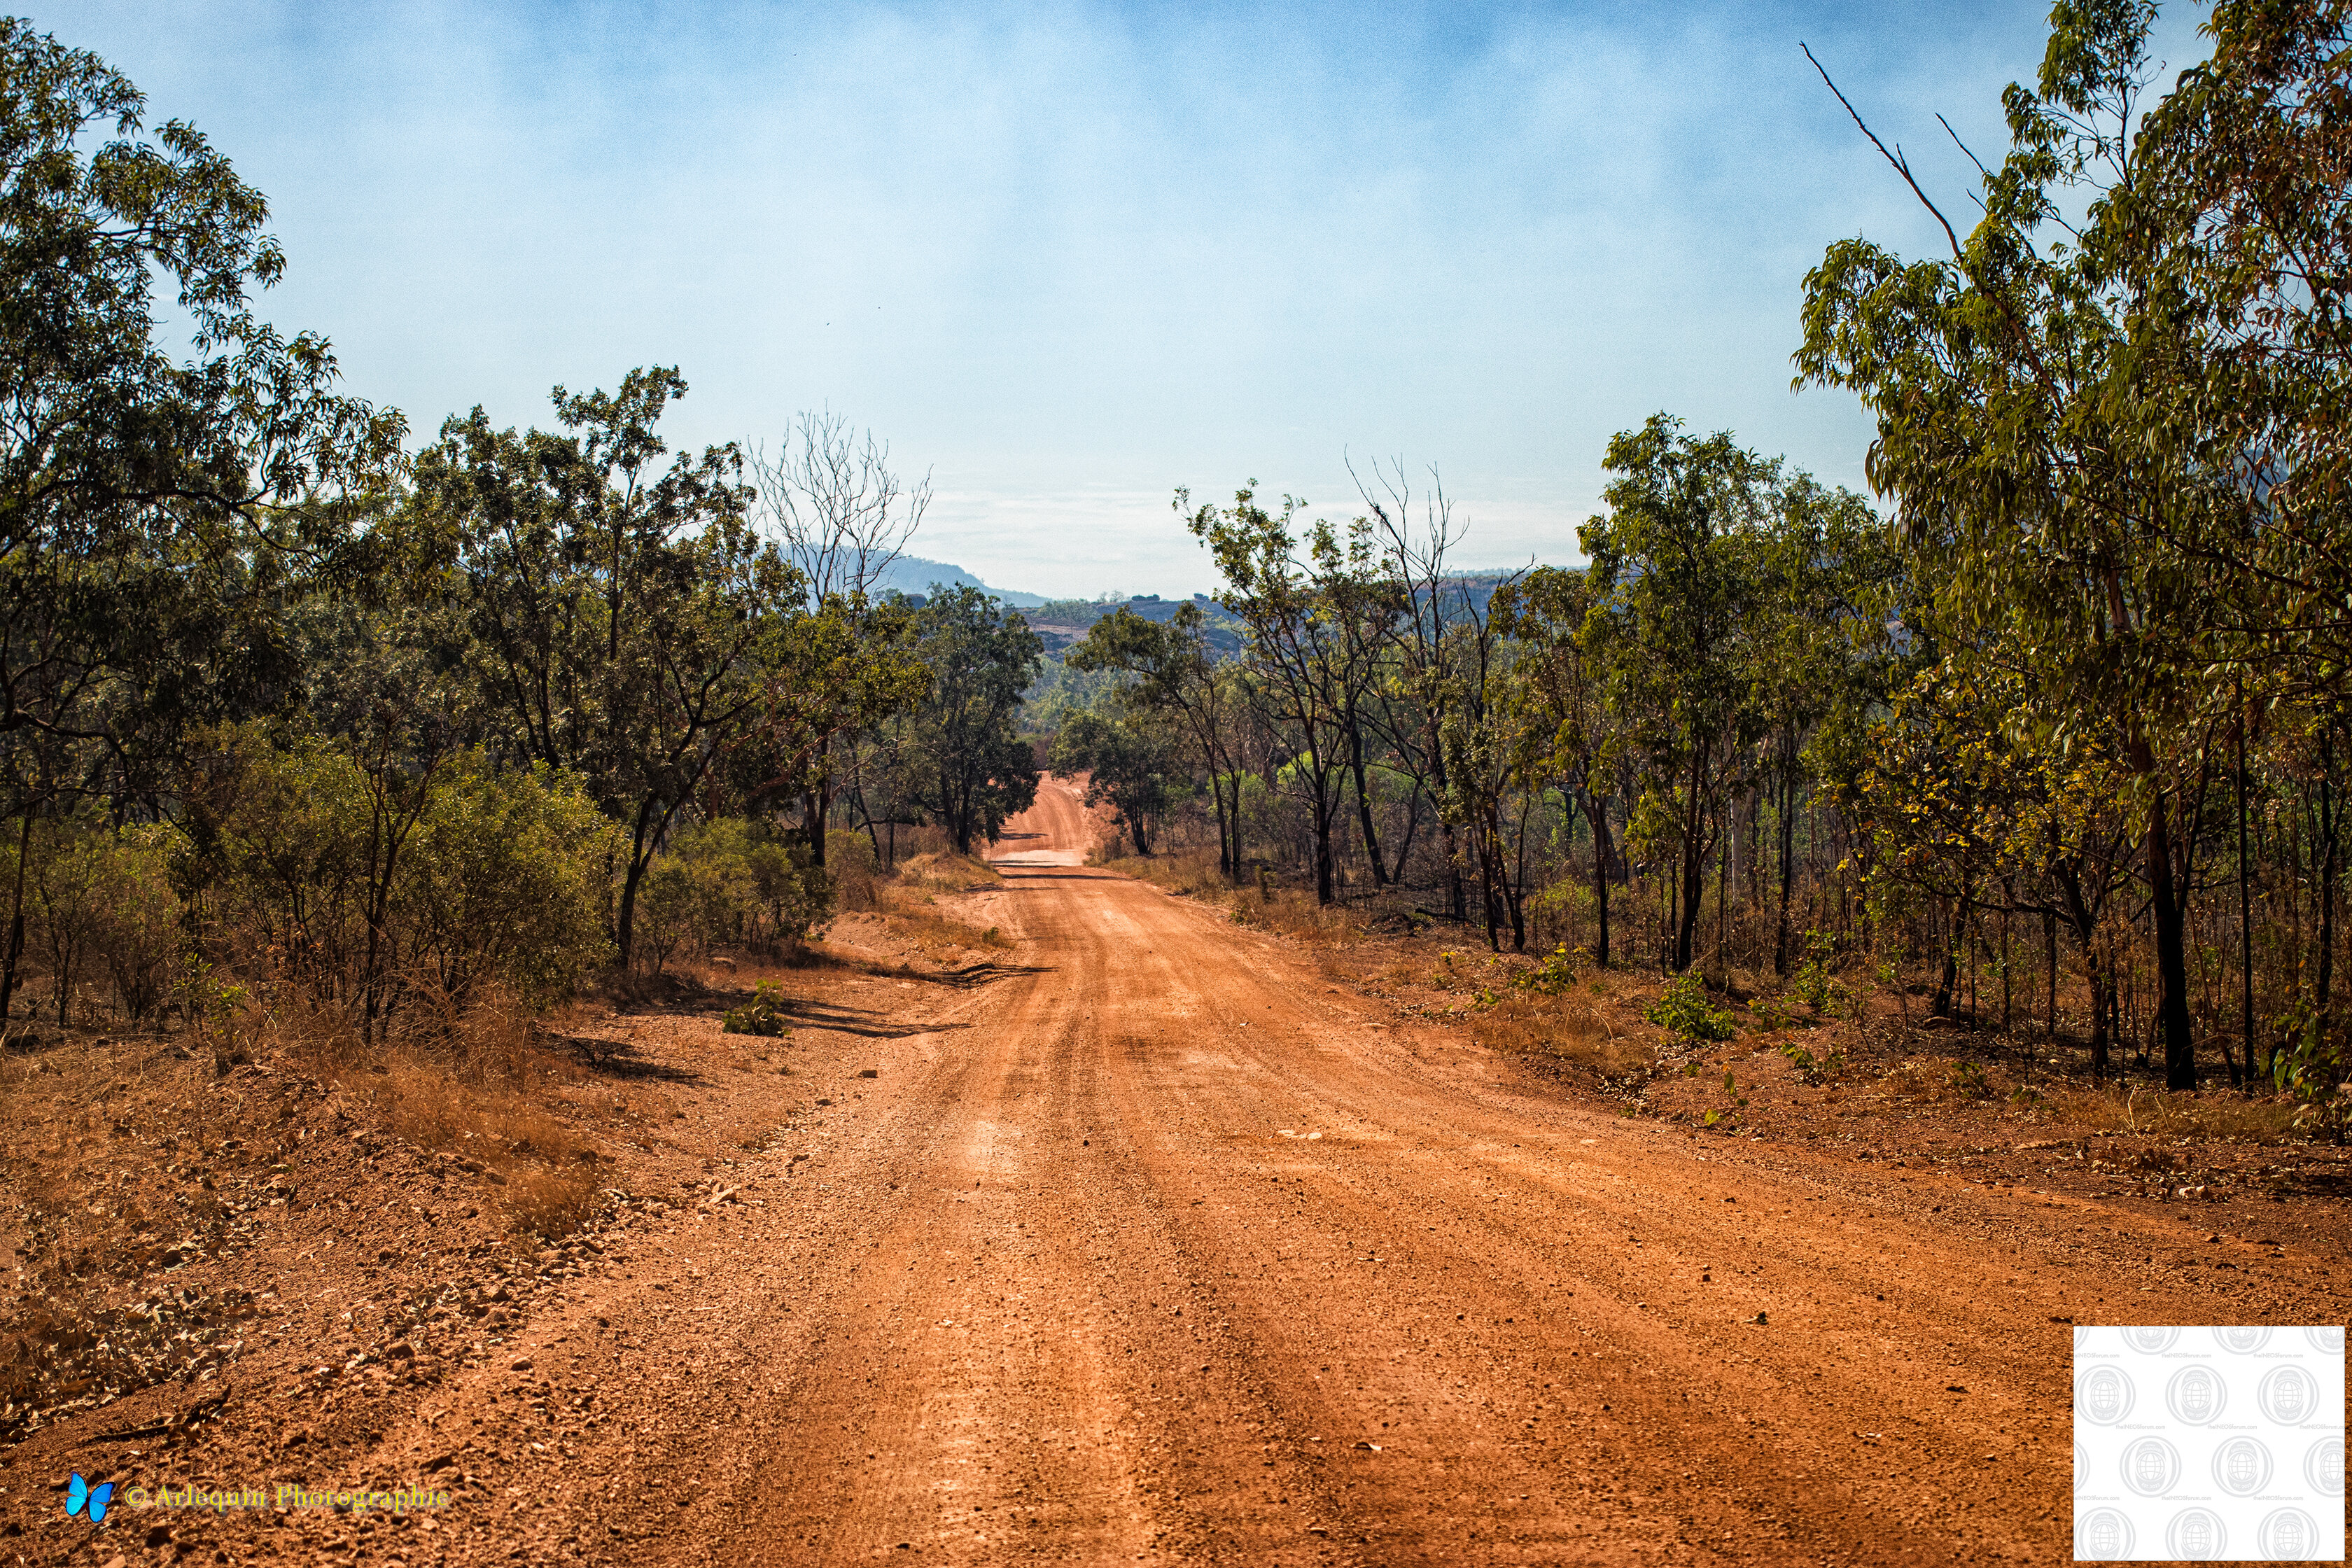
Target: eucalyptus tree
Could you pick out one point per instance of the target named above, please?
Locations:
(2044, 473)
(1676, 585)
(148, 499)
(626, 617)
(1126, 758)
(1431, 599)
(1561, 694)
(830, 496)
(1176, 674)
(966, 765)
(1826, 647)
(1298, 652)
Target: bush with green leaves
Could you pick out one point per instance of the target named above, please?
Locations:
(97, 894)
(1553, 974)
(738, 882)
(506, 881)
(369, 884)
(760, 1015)
(1685, 1013)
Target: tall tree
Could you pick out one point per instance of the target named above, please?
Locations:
(1676, 583)
(2039, 480)
(970, 769)
(624, 609)
(147, 502)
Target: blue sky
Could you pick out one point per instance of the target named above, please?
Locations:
(1069, 256)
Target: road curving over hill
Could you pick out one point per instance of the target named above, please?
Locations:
(1160, 1245)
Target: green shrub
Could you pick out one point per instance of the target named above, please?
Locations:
(370, 887)
(1684, 1011)
(1810, 1069)
(1553, 975)
(740, 883)
(97, 892)
(505, 882)
(136, 923)
(760, 1015)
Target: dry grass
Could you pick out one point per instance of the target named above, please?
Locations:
(468, 1082)
(1568, 1031)
(2205, 1117)
(935, 933)
(945, 871)
(1192, 874)
(1293, 913)
(909, 902)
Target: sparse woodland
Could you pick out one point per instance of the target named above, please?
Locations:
(2055, 744)
(300, 715)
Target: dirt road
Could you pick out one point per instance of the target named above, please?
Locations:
(1162, 1246)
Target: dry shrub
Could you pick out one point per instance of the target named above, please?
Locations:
(550, 1204)
(853, 870)
(1940, 1080)
(1192, 873)
(1567, 1030)
(930, 930)
(903, 844)
(945, 871)
(1294, 912)
(463, 1080)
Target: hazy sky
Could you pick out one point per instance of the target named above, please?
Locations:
(1070, 256)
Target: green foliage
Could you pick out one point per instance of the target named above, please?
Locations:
(1813, 1069)
(505, 882)
(1125, 761)
(1685, 1013)
(98, 892)
(1728, 1115)
(758, 1016)
(1554, 974)
(739, 883)
(957, 756)
(1813, 985)
(1967, 1079)
(369, 887)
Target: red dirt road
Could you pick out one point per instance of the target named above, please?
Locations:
(1162, 1248)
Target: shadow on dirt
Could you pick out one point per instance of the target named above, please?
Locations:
(618, 1058)
(856, 1021)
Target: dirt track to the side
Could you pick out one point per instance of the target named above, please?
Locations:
(1163, 1247)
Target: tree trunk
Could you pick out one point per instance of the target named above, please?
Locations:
(1788, 826)
(2245, 900)
(1948, 976)
(2171, 951)
(2050, 946)
(1228, 835)
(1364, 806)
(2323, 988)
(17, 916)
(2101, 1004)
(1324, 806)
(1596, 808)
(1692, 889)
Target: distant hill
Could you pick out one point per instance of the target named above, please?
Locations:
(912, 575)
(1062, 622)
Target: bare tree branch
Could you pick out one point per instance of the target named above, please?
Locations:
(1894, 157)
(830, 496)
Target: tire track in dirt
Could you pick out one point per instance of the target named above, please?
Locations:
(1057, 1287)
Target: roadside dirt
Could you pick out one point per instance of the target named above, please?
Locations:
(1148, 1241)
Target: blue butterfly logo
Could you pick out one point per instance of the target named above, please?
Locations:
(80, 1493)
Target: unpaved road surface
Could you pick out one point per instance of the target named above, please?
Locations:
(1160, 1246)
